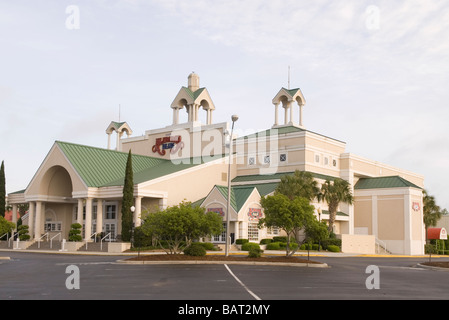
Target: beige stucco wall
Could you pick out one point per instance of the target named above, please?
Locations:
(363, 244)
(50, 178)
(191, 184)
(363, 217)
(390, 217)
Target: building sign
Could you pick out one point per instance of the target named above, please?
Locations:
(436, 233)
(217, 210)
(254, 214)
(172, 143)
(416, 206)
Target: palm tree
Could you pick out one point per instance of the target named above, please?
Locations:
(300, 184)
(335, 193)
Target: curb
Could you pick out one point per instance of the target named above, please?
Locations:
(251, 263)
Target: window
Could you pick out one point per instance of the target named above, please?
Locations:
(326, 161)
(317, 158)
(253, 231)
(110, 211)
(283, 157)
(273, 230)
(53, 226)
(266, 159)
(251, 161)
(334, 162)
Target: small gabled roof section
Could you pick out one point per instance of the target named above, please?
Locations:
(239, 195)
(384, 182)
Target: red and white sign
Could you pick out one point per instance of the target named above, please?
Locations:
(416, 206)
(254, 214)
(436, 233)
(172, 143)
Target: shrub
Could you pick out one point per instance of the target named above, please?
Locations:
(141, 239)
(75, 232)
(248, 245)
(207, 245)
(293, 245)
(23, 232)
(255, 252)
(273, 246)
(241, 241)
(195, 249)
(266, 241)
(333, 248)
(279, 239)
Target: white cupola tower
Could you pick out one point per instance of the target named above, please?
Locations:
(193, 98)
(287, 98)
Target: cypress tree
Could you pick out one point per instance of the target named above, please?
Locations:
(2, 190)
(128, 199)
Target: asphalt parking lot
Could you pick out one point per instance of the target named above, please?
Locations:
(38, 276)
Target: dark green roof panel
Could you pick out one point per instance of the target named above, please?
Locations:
(384, 182)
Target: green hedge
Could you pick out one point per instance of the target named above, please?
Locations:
(250, 245)
(241, 241)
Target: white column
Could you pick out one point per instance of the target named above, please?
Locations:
(407, 223)
(37, 225)
(88, 222)
(291, 111)
(276, 118)
(109, 141)
(138, 212)
(208, 116)
(189, 112)
(31, 214)
(174, 116)
(14, 214)
(300, 114)
(286, 114)
(79, 213)
(99, 228)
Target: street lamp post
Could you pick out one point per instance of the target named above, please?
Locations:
(234, 118)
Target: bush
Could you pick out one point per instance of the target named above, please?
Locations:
(274, 246)
(207, 245)
(266, 241)
(247, 246)
(331, 241)
(279, 239)
(141, 239)
(241, 241)
(333, 248)
(195, 249)
(23, 232)
(293, 245)
(255, 252)
(75, 232)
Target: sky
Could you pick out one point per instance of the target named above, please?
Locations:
(375, 74)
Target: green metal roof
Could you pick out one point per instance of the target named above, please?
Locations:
(276, 176)
(239, 195)
(99, 167)
(384, 182)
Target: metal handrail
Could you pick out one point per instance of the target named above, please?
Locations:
(101, 240)
(6, 234)
(381, 243)
(12, 238)
(87, 239)
(39, 240)
(51, 239)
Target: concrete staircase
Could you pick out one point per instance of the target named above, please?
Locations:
(45, 245)
(95, 247)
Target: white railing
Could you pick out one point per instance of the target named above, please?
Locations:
(51, 239)
(381, 244)
(40, 239)
(92, 235)
(6, 234)
(12, 238)
(101, 241)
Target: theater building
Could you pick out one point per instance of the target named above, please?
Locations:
(188, 160)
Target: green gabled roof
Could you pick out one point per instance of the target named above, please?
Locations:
(195, 94)
(384, 182)
(239, 195)
(99, 167)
